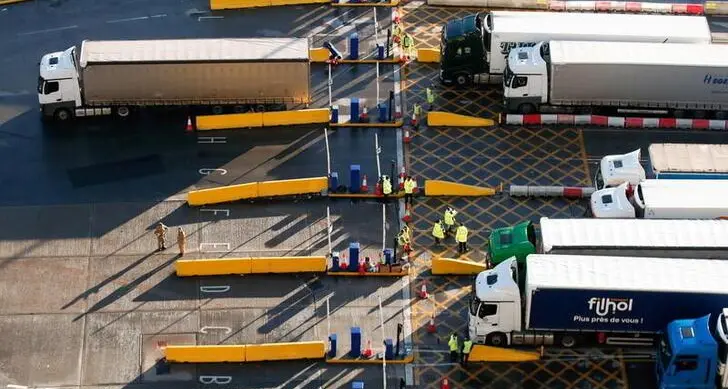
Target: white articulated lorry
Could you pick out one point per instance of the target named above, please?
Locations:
(680, 80)
(667, 161)
(474, 48)
(663, 199)
(115, 77)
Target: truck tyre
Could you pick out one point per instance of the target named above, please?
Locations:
(123, 112)
(217, 109)
(260, 108)
(62, 115)
(463, 80)
(526, 108)
(568, 341)
(497, 339)
(239, 109)
(679, 113)
(721, 115)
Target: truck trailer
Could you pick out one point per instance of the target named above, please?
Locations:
(573, 299)
(662, 199)
(667, 161)
(650, 79)
(116, 77)
(610, 237)
(474, 48)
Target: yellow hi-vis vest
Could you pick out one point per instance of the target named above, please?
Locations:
(467, 345)
(437, 231)
(409, 186)
(449, 217)
(386, 186)
(402, 239)
(453, 343)
(461, 235)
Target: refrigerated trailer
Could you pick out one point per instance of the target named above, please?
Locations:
(116, 77)
(707, 239)
(573, 299)
(474, 48)
(680, 80)
(663, 199)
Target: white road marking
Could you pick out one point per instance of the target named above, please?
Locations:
(17, 386)
(215, 245)
(215, 211)
(159, 16)
(215, 289)
(211, 139)
(201, 18)
(207, 329)
(215, 379)
(207, 172)
(47, 30)
(128, 19)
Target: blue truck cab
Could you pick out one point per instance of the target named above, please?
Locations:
(692, 354)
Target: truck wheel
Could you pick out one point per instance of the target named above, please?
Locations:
(497, 339)
(721, 115)
(700, 115)
(239, 109)
(62, 115)
(217, 109)
(123, 112)
(568, 341)
(260, 108)
(463, 79)
(526, 108)
(679, 113)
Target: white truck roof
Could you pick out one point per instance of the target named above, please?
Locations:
(685, 157)
(194, 50)
(689, 195)
(633, 233)
(626, 273)
(687, 29)
(638, 53)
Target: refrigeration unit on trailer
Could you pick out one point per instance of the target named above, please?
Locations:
(706, 239)
(663, 199)
(650, 79)
(107, 77)
(573, 299)
(667, 161)
(474, 48)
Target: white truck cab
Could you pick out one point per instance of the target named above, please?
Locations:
(59, 91)
(614, 203)
(495, 305)
(525, 80)
(615, 170)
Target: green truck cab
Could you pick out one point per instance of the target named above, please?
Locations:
(518, 241)
(462, 51)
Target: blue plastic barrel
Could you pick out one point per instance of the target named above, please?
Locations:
(388, 349)
(382, 112)
(333, 181)
(355, 342)
(354, 256)
(354, 179)
(334, 114)
(332, 346)
(354, 110)
(354, 46)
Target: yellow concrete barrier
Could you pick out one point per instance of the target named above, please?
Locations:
(202, 354)
(428, 55)
(237, 4)
(319, 54)
(223, 122)
(450, 266)
(285, 351)
(275, 3)
(288, 265)
(446, 119)
(481, 353)
(289, 118)
(445, 188)
(222, 194)
(212, 267)
(292, 187)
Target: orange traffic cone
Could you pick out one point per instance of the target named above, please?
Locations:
(402, 175)
(407, 214)
(378, 188)
(364, 116)
(445, 384)
(406, 138)
(367, 353)
(189, 127)
(362, 268)
(431, 325)
(423, 291)
(364, 187)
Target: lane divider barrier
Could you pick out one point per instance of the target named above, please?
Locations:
(262, 119)
(245, 352)
(614, 121)
(482, 353)
(627, 6)
(216, 5)
(447, 119)
(255, 190)
(428, 55)
(446, 188)
(253, 265)
(569, 192)
(459, 267)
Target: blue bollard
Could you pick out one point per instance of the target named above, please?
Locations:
(388, 349)
(354, 46)
(354, 256)
(380, 51)
(382, 112)
(354, 179)
(335, 114)
(332, 346)
(354, 110)
(389, 256)
(357, 385)
(355, 342)
(333, 181)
